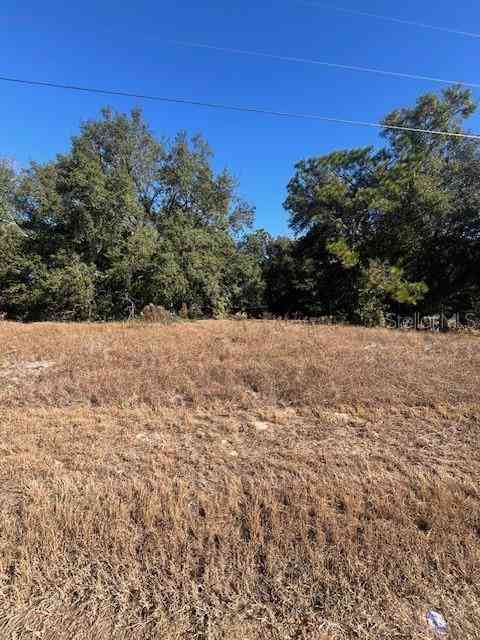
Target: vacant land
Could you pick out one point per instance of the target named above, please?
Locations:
(240, 480)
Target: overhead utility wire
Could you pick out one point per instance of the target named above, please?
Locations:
(333, 65)
(412, 23)
(228, 107)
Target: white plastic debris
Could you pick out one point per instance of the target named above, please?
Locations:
(260, 426)
(437, 622)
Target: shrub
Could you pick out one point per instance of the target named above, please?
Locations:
(155, 313)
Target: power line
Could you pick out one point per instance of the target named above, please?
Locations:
(332, 65)
(237, 108)
(411, 23)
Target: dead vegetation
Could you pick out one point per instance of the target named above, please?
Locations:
(237, 480)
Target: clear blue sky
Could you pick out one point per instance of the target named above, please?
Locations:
(123, 46)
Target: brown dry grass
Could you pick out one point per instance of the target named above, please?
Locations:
(237, 480)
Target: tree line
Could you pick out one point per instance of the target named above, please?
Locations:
(124, 220)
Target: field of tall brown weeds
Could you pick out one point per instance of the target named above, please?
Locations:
(239, 480)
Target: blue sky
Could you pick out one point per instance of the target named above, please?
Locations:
(125, 46)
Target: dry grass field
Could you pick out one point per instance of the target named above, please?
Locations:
(238, 480)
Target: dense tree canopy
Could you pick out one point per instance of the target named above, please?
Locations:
(120, 221)
(124, 219)
(395, 226)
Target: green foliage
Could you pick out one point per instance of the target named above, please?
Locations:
(280, 273)
(381, 284)
(144, 221)
(124, 220)
(245, 280)
(65, 290)
(443, 112)
(335, 193)
(7, 191)
(348, 257)
(68, 289)
(401, 290)
(414, 204)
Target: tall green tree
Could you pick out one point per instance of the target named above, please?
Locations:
(401, 224)
(147, 220)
